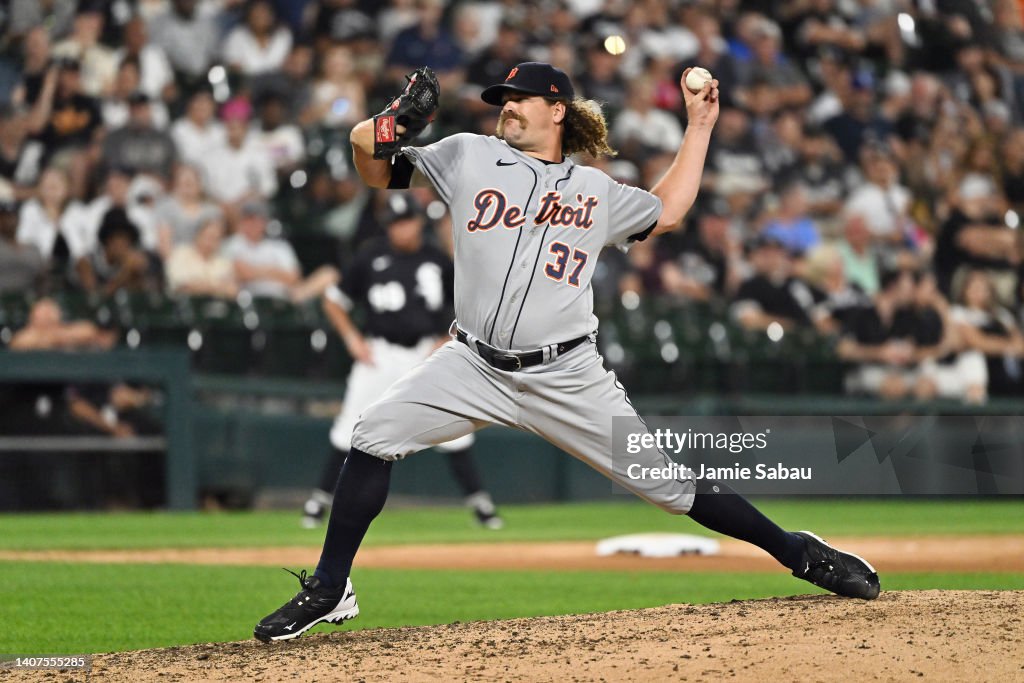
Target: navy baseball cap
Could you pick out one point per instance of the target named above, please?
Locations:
(531, 78)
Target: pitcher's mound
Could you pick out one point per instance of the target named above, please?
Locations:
(944, 635)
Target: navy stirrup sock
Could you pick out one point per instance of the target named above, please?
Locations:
(358, 498)
(721, 509)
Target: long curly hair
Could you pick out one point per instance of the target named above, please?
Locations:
(585, 129)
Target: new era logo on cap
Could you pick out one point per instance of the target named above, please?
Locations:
(531, 78)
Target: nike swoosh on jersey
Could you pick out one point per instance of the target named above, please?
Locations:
(506, 163)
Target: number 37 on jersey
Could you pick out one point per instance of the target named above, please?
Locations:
(565, 263)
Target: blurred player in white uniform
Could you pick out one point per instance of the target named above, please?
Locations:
(405, 286)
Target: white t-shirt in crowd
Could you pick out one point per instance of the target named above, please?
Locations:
(267, 252)
(242, 49)
(230, 173)
(36, 228)
(193, 142)
(884, 210)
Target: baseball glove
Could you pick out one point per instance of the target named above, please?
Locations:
(414, 109)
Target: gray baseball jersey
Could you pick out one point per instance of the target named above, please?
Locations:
(527, 238)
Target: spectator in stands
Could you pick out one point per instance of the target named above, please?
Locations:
(859, 123)
(492, 64)
(138, 145)
(36, 63)
(341, 21)
(822, 24)
(293, 82)
(268, 267)
(54, 17)
(837, 301)
(1009, 38)
(281, 140)
(427, 43)
(240, 169)
(1013, 170)
(860, 261)
(988, 327)
(707, 265)
(20, 156)
(881, 200)
(116, 105)
(820, 169)
(975, 236)
(66, 121)
(118, 262)
(156, 77)
(338, 96)
(791, 226)
(732, 156)
(915, 124)
(83, 226)
(769, 65)
(713, 55)
(188, 36)
(198, 131)
(978, 80)
(180, 214)
(98, 62)
(45, 218)
(779, 143)
(46, 331)
(259, 45)
(600, 79)
(21, 265)
(947, 369)
(198, 268)
(881, 339)
(641, 128)
(772, 294)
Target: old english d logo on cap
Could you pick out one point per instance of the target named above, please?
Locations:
(531, 78)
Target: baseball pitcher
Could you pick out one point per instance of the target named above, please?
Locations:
(529, 225)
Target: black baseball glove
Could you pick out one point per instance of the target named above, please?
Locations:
(414, 109)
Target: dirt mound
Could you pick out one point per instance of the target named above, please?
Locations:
(946, 635)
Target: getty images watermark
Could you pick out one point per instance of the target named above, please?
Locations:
(668, 441)
(826, 455)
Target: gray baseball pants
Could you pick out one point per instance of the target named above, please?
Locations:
(570, 402)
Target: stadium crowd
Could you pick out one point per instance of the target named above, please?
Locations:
(865, 180)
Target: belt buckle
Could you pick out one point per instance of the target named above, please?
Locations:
(512, 357)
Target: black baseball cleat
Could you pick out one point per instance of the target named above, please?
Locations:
(842, 573)
(313, 513)
(313, 604)
(489, 520)
(484, 511)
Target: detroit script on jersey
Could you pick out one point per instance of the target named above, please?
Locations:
(527, 236)
(492, 207)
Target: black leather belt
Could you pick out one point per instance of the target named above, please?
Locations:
(510, 362)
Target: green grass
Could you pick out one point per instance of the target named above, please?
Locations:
(73, 608)
(583, 521)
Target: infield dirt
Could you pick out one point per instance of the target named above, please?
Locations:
(937, 635)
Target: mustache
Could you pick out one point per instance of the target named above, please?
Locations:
(506, 115)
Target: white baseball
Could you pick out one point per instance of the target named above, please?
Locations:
(696, 79)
